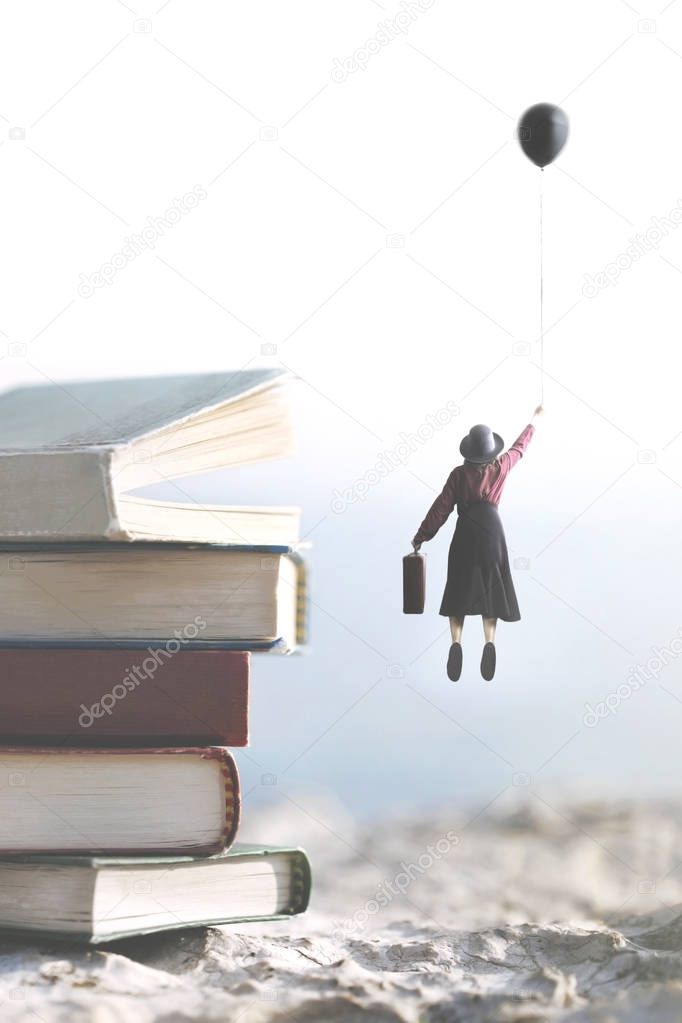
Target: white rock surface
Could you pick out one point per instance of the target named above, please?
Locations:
(546, 911)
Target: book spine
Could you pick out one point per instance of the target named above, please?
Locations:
(301, 883)
(302, 599)
(232, 798)
(295, 636)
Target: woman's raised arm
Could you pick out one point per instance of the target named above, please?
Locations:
(515, 453)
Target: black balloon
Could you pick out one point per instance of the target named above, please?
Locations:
(542, 132)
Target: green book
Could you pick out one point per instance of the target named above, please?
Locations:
(101, 899)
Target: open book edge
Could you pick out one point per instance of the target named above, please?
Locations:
(80, 490)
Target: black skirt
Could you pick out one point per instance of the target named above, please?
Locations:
(479, 578)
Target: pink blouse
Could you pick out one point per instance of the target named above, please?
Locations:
(468, 483)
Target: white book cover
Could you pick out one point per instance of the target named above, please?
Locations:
(70, 455)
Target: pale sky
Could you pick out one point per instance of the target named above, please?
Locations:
(382, 233)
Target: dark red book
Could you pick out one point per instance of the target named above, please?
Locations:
(123, 802)
(124, 697)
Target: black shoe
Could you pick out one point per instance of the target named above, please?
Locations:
(488, 662)
(455, 662)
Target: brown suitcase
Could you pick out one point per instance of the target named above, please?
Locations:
(414, 583)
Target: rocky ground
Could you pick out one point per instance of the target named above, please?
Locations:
(539, 911)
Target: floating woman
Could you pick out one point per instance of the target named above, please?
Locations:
(479, 580)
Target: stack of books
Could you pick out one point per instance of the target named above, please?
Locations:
(126, 631)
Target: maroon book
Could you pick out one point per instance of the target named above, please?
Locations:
(124, 697)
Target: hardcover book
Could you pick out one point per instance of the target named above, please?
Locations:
(124, 697)
(136, 594)
(125, 801)
(97, 899)
(71, 453)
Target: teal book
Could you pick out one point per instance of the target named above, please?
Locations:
(101, 899)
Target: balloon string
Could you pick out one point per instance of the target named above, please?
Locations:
(542, 295)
